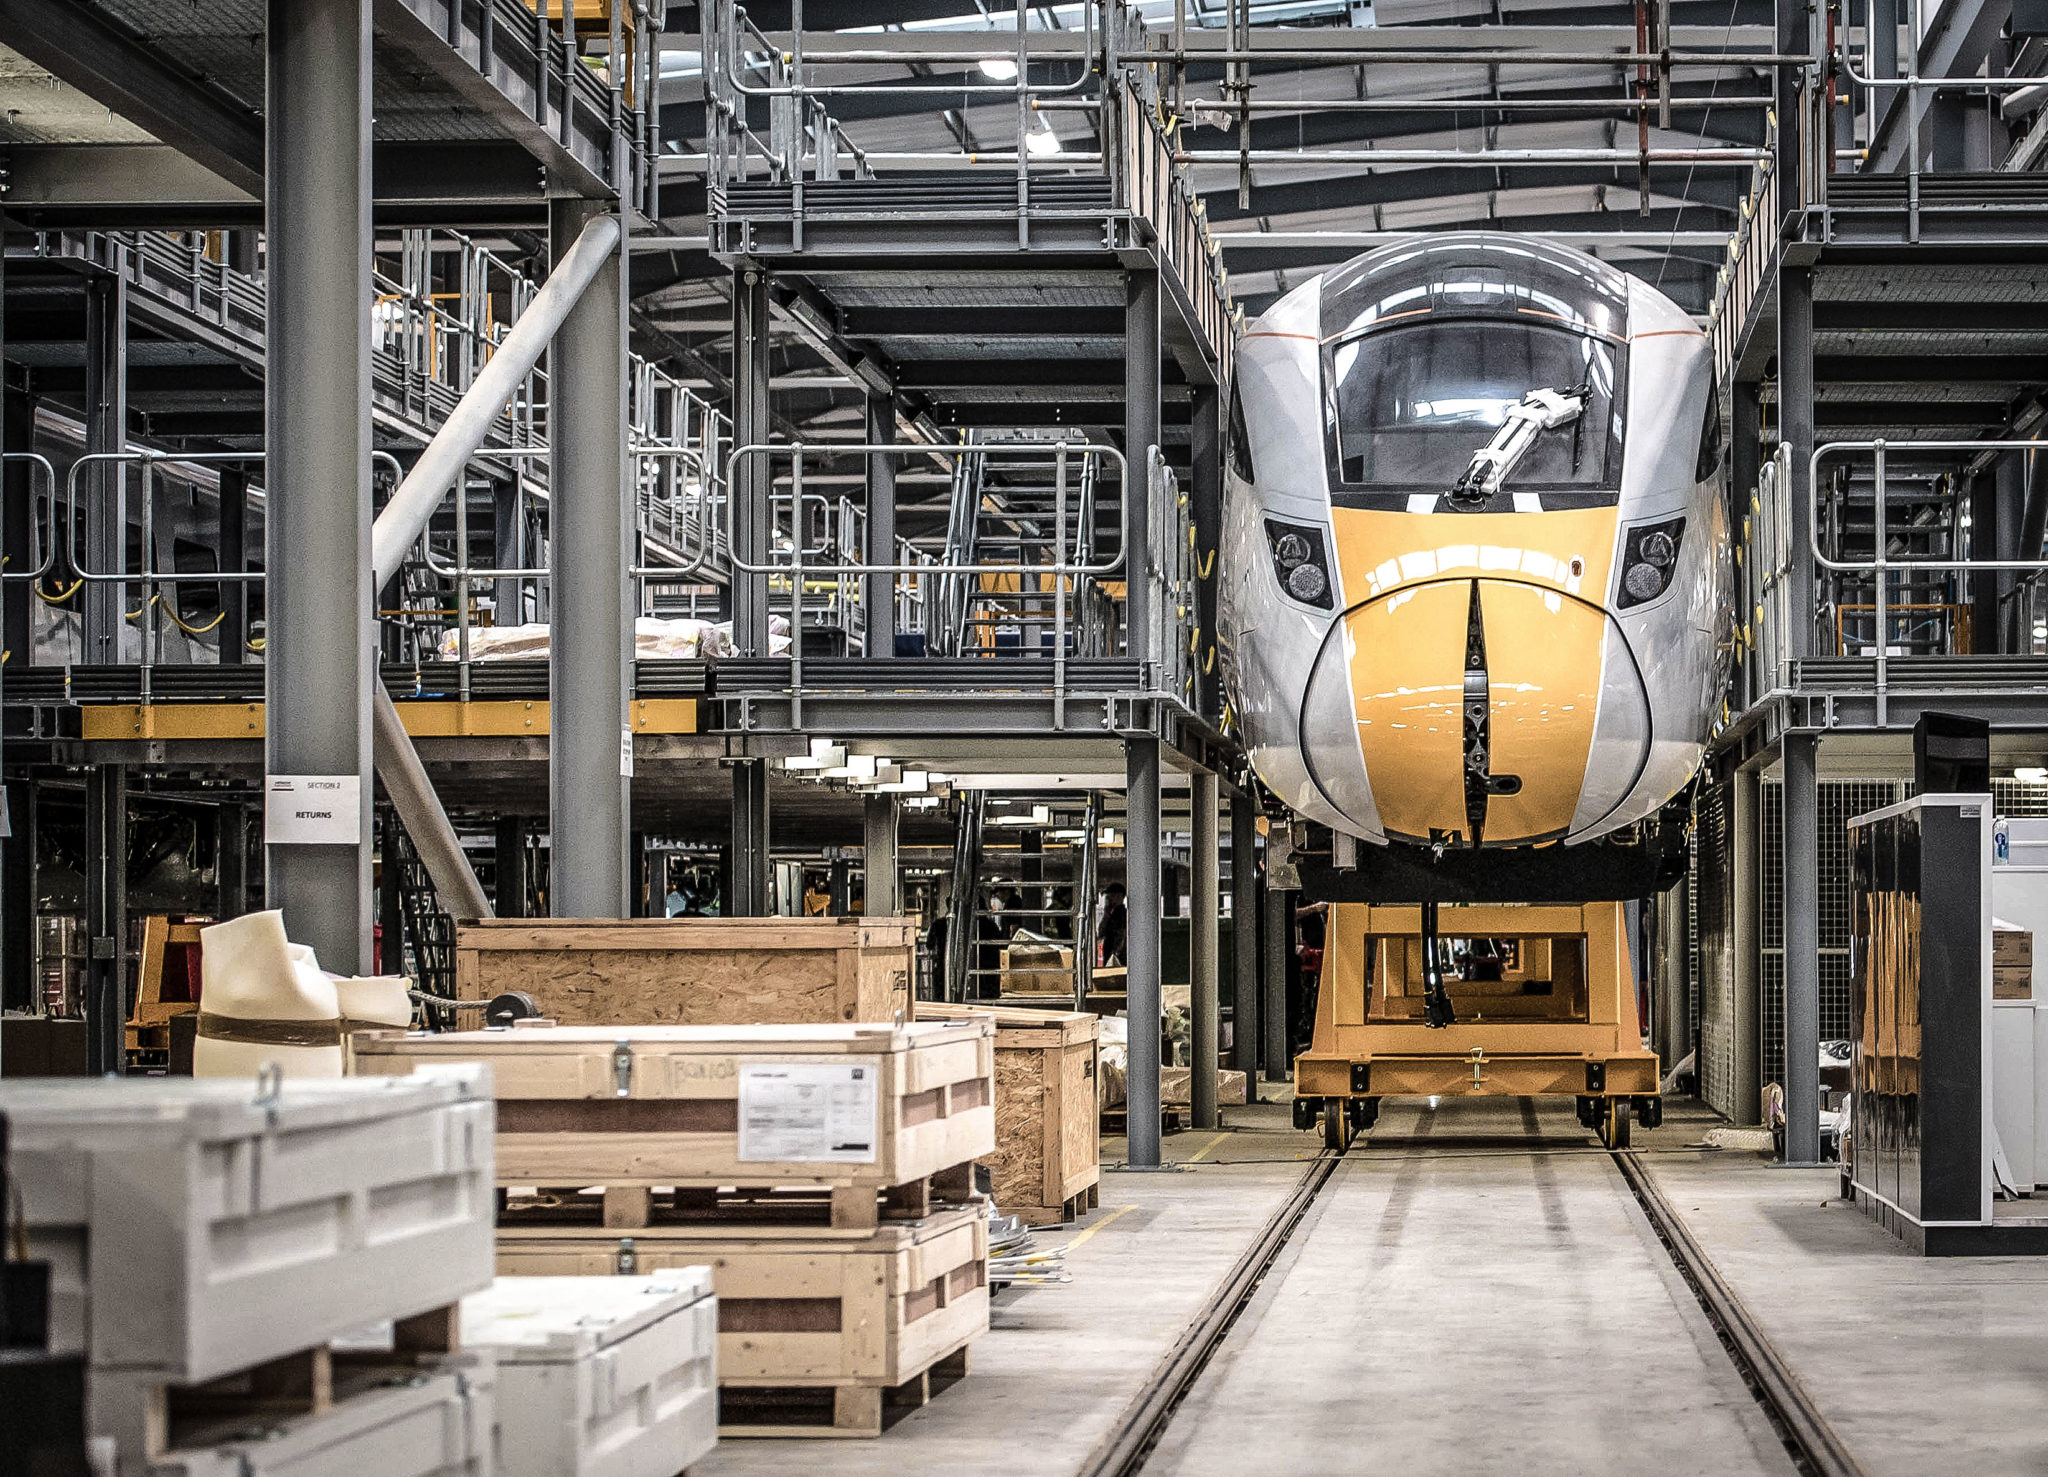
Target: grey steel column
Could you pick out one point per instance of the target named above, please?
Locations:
(1141, 950)
(105, 484)
(320, 656)
(509, 862)
(880, 596)
(234, 558)
(231, 860)
(508, 545)
(750, 874)
(106, 916)
(1795, 412)
(1802, 951)
(1273, 1051)
(1745, 1086)
(750, 512)
(1205, 489)
(884, 886)
(1141, 433)
(1202, 931)
(590, 651)
(1244, 938)
(17, 524)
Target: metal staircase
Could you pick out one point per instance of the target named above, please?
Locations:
(1004, 889)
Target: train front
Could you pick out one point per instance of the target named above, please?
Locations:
(1476, 563)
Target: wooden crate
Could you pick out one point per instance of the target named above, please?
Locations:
(167, 980)
(817, 1329)
(1047, 1161)
(634, 1108)
(693, 971)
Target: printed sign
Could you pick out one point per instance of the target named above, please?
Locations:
(810, 1112)
(625, 753)
(313, 810)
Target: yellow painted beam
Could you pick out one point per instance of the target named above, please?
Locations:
(110, 722)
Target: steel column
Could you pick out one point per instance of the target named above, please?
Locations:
(508, 550)
(1141, 433)
(880, 595)
(1205, 493)
(1795, 412)
(106, 483)
(884, 886)
(750, 510)
(509, 863)
(17, 524)
(590, 657)
(1802, 951)
(234, 558)
(1244, 937)
(1745, 1054)
(1207, 897)
(106, 917)
(231, 860)
(1279, 940)
(750, 874)
(320, 659)
(1986, 617)
(18, 913)
(1141, 950)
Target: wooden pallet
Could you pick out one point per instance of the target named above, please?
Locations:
(638, 1207)
(1071, 1209)
(803, 1307)
(651, 1106)
(804, 1411)
(147, 1414)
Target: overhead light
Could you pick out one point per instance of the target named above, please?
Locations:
(1042, 140)
(905, 782)
(2032, 774)
(1040, 815)
(824, 755)
(1107, 836)
(1001, 68)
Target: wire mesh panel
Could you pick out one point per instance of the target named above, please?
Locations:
(1712, 892)
(1839, 802)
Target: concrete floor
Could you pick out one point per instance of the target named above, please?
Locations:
(1457, 1303)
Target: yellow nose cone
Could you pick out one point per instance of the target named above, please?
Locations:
(1404, 657)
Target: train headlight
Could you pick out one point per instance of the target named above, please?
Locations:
(1649, 559)
(1300, 562)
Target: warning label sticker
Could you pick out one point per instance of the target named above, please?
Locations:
(810, 1112)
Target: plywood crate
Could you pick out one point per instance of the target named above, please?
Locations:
(197, 1228)
(852, 1109)
(436, 1423)
(600, 1376)
(812, 1322)
(1047, 1163)
(693, 971)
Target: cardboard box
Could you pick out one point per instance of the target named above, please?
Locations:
(2012, 964)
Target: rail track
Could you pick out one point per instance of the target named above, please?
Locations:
(1810, 1443)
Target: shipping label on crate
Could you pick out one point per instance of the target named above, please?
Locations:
(809, 1111)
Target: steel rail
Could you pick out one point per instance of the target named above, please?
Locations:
(1129, 1442)
(1806, 1433)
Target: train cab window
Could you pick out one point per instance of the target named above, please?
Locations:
(1240, 438)
(1409, 405)
(1709, 461)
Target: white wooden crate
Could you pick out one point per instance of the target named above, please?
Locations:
(197, 1228)
(432, 1424)
(600, 1376)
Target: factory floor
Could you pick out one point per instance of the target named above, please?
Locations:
(1475, 1292)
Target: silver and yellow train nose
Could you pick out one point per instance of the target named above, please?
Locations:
(1476, 680)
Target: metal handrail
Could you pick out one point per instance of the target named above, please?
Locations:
(48, 561)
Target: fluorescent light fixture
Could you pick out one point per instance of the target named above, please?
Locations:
(824, 754)
(1108, 836)
(885, 774)
(906, 782)
(1042, 141)
(2032, 774)
(999, 68)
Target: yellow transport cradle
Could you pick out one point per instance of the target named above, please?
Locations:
(1559, 1021)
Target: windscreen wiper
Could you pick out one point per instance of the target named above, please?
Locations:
(1492, 464)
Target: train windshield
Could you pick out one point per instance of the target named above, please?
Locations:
(1411, 404)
